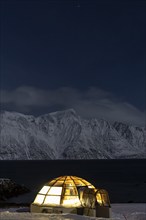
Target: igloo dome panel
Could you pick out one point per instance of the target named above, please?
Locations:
(62, 191)
(71, 194)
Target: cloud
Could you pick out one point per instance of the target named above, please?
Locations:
(90, 103)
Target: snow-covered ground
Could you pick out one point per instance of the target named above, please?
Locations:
(119, 212)
(136, 211)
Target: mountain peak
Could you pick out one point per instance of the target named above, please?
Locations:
(70, 111)
(65, 135)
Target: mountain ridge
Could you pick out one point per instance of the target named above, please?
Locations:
(65, 135)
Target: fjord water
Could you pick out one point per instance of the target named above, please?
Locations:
(125, 180)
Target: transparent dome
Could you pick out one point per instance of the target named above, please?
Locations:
(62, 191)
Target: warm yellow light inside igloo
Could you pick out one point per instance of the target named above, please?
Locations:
(62, 191)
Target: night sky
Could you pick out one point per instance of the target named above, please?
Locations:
(86, 55)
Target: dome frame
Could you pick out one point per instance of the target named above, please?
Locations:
(70, 194)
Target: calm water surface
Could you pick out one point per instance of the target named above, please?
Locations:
(125, 180)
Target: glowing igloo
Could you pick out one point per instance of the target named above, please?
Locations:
(71, 194)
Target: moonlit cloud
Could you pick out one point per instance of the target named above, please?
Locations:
(90, 103)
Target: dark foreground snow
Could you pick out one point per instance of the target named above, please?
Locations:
(119, 212)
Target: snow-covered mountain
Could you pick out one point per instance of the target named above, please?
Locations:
(65, 135)
(8, 189)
